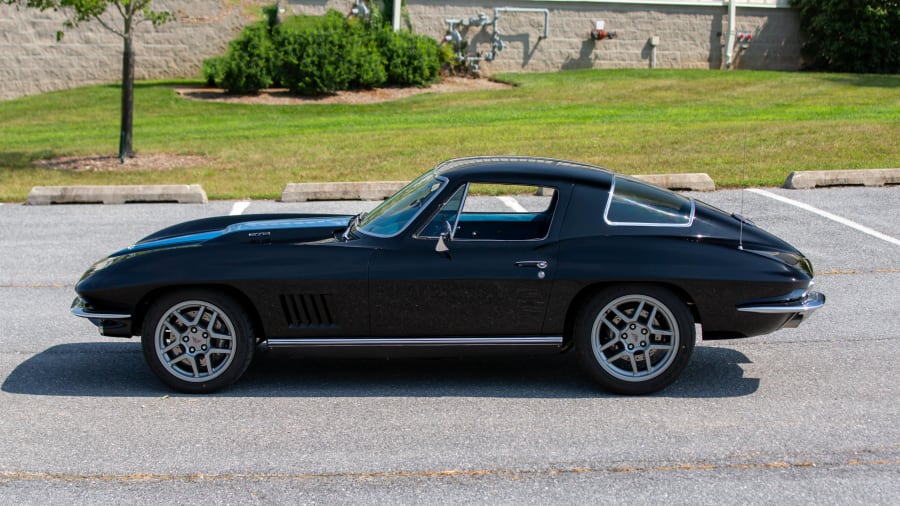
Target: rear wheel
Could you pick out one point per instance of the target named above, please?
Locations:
(197, 341)
(634, 339)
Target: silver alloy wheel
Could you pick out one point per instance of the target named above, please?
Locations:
(195, 341)
(635, 338)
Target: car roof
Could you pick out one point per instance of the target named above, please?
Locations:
(503, 168)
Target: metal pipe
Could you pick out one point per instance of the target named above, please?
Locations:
(729, 44)
(395, 18)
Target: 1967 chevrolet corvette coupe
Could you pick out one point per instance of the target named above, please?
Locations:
(478, 253)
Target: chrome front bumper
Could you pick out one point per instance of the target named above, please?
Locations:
(800, 309)
(109, 324)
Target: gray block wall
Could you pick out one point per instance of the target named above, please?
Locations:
(32, 61)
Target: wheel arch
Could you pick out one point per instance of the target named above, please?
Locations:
(143, 306)
(589, 291)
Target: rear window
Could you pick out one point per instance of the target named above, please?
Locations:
(636, 203)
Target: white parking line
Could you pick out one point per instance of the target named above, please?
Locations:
(239, 208)
(512, 203)
(826, 214)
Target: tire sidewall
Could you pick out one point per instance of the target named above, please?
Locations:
(244, 341)
(583, 329)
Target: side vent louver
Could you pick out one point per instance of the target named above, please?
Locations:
(307, 310)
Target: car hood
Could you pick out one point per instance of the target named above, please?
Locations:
(254, 229)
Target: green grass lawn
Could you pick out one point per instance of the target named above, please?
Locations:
(743, 128)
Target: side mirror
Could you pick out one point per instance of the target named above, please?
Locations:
(444, 238)
(442, 244)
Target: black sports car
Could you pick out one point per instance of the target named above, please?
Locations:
(478, 253)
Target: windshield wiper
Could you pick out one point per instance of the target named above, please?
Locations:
(354, 222)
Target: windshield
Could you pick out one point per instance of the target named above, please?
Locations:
(395, 213)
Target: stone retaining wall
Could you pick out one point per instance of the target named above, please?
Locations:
(690, 36)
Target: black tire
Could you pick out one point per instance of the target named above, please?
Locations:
(197, 341)
(634, 339)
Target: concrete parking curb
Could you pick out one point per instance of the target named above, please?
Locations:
(380, 190)
(372, 190)
(700, 181)
(807, 179)
(182, 194)
(293, 192)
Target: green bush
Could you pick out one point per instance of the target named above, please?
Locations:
(363, 55)
(411, 60)
(213, 69)
(311, 54)
(317, 55)
(851, 35)
(251, 61)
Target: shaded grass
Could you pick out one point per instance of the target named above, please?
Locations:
(740, 127)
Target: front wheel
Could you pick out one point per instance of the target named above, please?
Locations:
(198, 341)
(634, 339)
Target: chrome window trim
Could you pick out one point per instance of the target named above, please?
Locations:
(462, 205)
(465, 189)
(609, 222)
(414, 217)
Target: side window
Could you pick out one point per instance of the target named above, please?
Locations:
(448, 214)
(504, 212)
(636, 203)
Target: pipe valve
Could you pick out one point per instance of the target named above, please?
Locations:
(602, 34)
(599, 32)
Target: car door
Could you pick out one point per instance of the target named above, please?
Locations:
(493, 279)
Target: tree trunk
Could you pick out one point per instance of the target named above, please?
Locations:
(125, 148)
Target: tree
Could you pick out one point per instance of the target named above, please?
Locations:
(133, 13)
(851, 35)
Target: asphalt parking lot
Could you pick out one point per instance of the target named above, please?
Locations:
(806, 415)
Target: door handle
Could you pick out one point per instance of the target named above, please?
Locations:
(540, 264)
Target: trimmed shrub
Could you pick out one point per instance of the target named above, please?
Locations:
(213, 69)
(363, 55)
(321, 55)
(251, 60)
(317, 55)
(411, 60)
(851, 35)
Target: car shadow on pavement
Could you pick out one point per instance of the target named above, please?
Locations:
(118, 370)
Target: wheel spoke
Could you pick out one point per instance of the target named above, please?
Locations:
(638, 311)
(171, 346)
(609, 344)
(617, 356)
(647, 360)
(209, 366)
(184, 321)
(174, 330)
(620, 314)
(216, 335)
(211, 324)
(184, 357)
(652, 317)
(193, 362)
(634, 366)
(612, 326)
(199, 316)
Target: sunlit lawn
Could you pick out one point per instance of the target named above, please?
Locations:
(740, 127)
